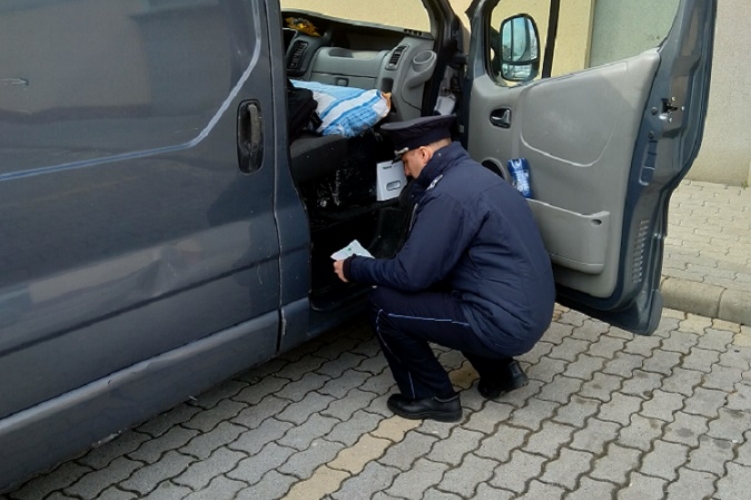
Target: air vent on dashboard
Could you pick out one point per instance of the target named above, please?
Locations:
(297, 51)
(395, 55)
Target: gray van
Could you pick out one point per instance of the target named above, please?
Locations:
(159, 232)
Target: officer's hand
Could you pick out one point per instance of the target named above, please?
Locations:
(339, 270)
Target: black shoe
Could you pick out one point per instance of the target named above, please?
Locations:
(442, 410)
(511, 378)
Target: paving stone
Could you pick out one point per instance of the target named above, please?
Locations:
(201, 446)
(253, 416)
(606, 347)
(297, 390)
(577, 411)
(101, 456)
(642, 384)
(666, 326)
(215, 395)
(574, 318)
(349, 431)
(719, 324)
(300, 437)
(272, 487)
(256, 392)
(662, 362)
(730, 426)
(663, 405)
(147, 478)
(434, 494)
(623, 365)
(642, 488)
(91, 484)
(152, 450)
(550, 439)
(489, 418)
(640, 432)
(207, 420)
(539, 490)
(59, 496)
(113, 493)
(298, 413)
(619, 333)
(323, 482)
(569, 349)
(451, 450)
(664, 460)
(681, 342)
(546, 370)
(342, 364)
(557, 332)
(695, 324)
(620, 408)
(686, 429)
(375, 365)
(465, 478)
(200, 474)
(584, 367)
(251, 442)
(540, 350)
(532, 415)
(594, 436)
(682, 381)
(451, 360)
(166, 421)
(369, 348)
(403, 454)
(602, 387)
(374, 478)
(736, 357)
(413, 483)
(250, 470)
(519, 397)
(383, 496)
(486, 492)
(394, 429)
(736, 484)
(565, 470)
(220, 487)
(259, 372)
(296, 370)
(472, 400)
(560, 389)
(722, 378)
(337, 347)
(302, 464)
(514, 474)
(64, 475)
(167, 490)
(711, 455)
(500, 445)
(744, 451)
(643, 346)
(715, 340)
(441, 430)
(589, 489)
(354, 459)
(616, 464)
(304, 349)
(591, 330)
(339, 387)
(691, 485)
(379, 384)
(705, 402)
(464, 377)
(700, 360)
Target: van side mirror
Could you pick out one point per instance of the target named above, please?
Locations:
(520, 49)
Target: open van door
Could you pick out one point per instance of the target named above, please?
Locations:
(606, 148)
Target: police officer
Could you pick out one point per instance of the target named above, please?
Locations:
(473, 275)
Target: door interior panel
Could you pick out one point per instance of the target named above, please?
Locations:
(578, 133)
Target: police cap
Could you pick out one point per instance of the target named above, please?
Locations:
(412, 134)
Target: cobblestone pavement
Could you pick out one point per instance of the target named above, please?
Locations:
(606, 415)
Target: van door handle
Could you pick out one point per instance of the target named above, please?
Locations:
(501, 117)
(249, 136)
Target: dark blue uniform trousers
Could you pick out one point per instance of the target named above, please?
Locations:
(406, 322)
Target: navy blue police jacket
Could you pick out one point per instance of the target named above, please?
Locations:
(473, 233)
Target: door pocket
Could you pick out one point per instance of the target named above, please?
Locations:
(573, 240)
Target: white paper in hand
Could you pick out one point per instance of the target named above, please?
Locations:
(354, 248)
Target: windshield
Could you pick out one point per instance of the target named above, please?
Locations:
(398, 13)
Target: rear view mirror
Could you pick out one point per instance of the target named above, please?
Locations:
(520, 49)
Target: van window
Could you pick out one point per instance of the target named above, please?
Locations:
(399, 13)
(81, 81)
